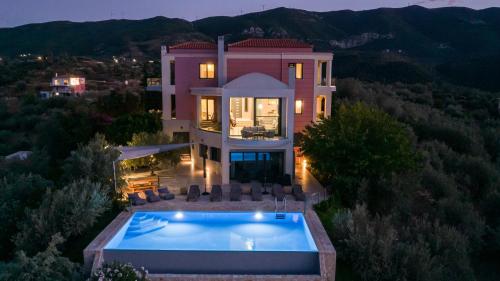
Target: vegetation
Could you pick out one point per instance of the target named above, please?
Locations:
(434, 216)
(56, 201)
(119, 272)
(359, 143)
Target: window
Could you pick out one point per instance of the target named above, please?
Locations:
(208, 109)
(215, 154)
(203, 150)
(172, 72)
(299, 69)
(207, 71)
(299, 106)
(173, 107)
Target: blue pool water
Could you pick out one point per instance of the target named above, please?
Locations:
(214, 231)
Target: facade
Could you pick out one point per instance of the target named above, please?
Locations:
(67, 85)
(240, 104)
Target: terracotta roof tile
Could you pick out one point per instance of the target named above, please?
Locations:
(270, 43)
(194, 45)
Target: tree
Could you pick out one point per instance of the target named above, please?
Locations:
(357, 143)
(124, 127)
(69, 211)
(152, 161)
(95, 162)
(19, 192)
(44, 266)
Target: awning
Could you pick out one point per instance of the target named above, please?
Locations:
(134, 152)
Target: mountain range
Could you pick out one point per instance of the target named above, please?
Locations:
(411, 44)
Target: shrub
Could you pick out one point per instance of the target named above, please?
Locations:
(356, 143)
(69, 211)
(18, 194)
(47, 265)
(119, 272)
(95, 162)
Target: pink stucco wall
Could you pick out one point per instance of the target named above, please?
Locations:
(278, 68)
(186, 77)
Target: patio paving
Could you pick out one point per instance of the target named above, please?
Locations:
(185, 174)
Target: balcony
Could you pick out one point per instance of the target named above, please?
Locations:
(210, 126)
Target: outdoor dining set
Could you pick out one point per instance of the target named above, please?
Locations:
(255, 132)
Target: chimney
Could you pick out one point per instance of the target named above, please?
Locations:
(291, 77)
(221, 77)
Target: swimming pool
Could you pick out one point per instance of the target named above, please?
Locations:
(216, 242)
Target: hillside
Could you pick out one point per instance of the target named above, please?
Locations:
(411, 44)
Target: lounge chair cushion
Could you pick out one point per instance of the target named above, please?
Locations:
(151, 196)
(165, 194)
(235, 193)
(193, 193)
(216, 194)
(135, 199)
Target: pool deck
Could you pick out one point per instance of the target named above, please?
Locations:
(93, 252)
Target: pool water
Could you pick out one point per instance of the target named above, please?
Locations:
(214, 231)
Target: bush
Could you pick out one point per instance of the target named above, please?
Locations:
(95, 162)
(356, 143)
(124, 127)
(19, 193)
(119, 272)
(69, 211)
(44, 266)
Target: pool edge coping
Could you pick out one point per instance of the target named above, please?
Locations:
(93, 253)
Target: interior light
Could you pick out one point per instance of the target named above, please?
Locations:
(249, 244)
(258, 216)
(179, 215)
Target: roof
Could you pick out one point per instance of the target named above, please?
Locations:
(194, 45)
(270, 43)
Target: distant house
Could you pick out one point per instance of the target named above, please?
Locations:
(153, 84)
(20, 155)
(68, 85)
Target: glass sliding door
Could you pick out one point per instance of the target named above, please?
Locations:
(268, 114)
(209, 119)
(250, 165)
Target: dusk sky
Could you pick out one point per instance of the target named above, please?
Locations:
(19, 12)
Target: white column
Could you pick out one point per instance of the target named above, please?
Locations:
(165, 82)
(328, 107)
(329, 73)
(224, 161)
(221, 67)
(198, 112)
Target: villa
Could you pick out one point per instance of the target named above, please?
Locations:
(236, 108)
(240, 104)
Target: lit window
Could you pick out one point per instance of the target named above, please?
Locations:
(74, 81)
(299, 69)
(298, 106)
(207, 71)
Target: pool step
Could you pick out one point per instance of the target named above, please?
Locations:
(280, 216)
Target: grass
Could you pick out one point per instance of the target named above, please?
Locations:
(326, 210)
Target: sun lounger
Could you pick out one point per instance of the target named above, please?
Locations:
(216, 194)
(235, 193)
(151, 196)
(193, 193)
(256, 191)
(165, 194)
(135, 199)
(278, 192)
(298, 193)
